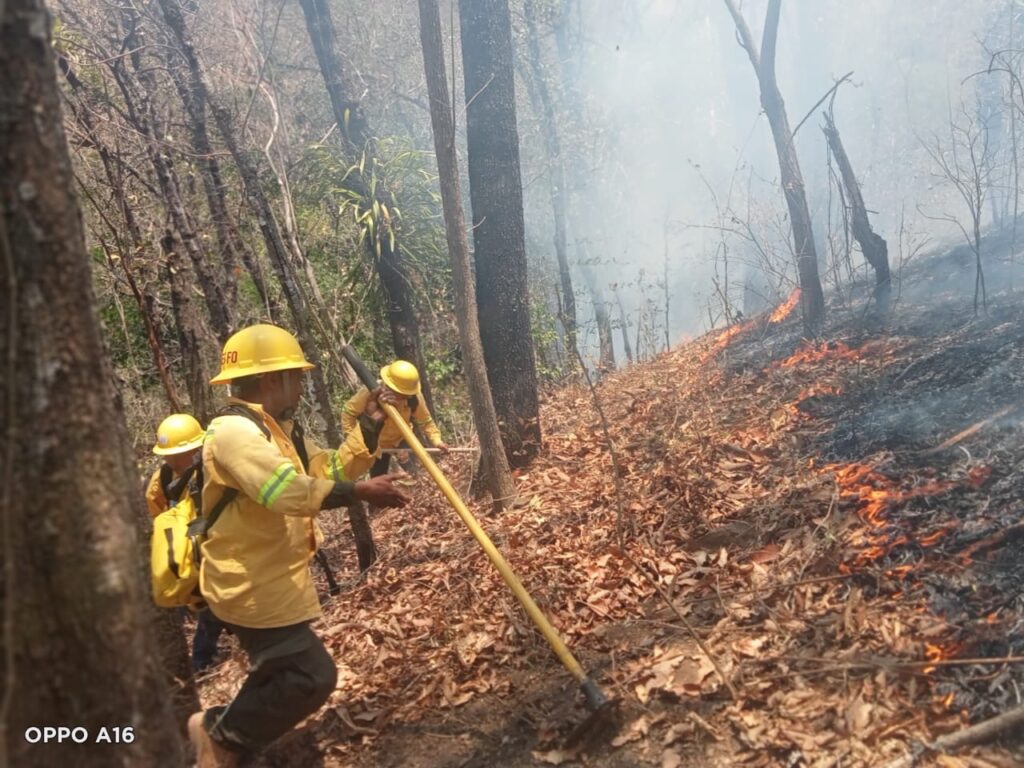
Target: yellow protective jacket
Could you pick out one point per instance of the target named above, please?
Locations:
(354, 456)
(156, 501)
(255, 566)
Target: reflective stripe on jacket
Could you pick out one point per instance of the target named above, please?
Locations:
(255, 570)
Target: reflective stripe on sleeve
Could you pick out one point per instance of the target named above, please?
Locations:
(277, 483)
(337, 472)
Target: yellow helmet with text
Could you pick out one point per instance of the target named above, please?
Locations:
(402, 377)
(258, 349)
(178, 433)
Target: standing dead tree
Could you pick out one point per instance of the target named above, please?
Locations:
(966, 164)
(872, 245)
(812, 300)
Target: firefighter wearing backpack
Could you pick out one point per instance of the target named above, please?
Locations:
(401, 379)
(255, 556)
(179, 442)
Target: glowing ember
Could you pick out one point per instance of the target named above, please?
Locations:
(786, 308)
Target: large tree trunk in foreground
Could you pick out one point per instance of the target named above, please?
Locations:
(872, 245)
(812, 300)
(77, 648)
(496, 195)
(357, 138)
(496, 468)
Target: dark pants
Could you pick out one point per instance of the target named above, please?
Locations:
(204, 642)
(383, 465)
(291, 675)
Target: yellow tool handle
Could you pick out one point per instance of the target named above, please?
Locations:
(536, 614)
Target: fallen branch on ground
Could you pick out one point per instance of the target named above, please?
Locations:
(980, 733)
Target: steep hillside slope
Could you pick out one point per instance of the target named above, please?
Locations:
(839, 522)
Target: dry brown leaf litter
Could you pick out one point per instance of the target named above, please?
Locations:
(731, 495)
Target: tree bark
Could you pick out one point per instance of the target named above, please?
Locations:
(77, 648)
(496, 469)
(496, 196)
(872, 245)
(188, 329)
(385, 251)
(812, 300)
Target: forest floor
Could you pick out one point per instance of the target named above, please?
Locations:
(834, 540)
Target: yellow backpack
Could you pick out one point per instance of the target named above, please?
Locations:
(174, 552)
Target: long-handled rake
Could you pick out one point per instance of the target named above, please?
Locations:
(602, 720)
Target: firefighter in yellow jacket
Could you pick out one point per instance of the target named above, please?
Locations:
(255, 560)
(403, 380)
(179, 442)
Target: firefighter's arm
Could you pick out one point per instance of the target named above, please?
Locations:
(156, 502)
(422, 419)
(353, 409)
(260, 471)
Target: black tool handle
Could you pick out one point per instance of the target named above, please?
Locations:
(359, 367)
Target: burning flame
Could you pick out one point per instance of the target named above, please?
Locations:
(934, 652)
(812, 354)
(785, 309)
(725, 338)
(874, 496)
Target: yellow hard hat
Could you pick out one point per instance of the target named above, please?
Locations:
(260, 349)
(178, 433)
(402, 377)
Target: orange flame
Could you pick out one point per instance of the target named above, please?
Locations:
(874, 496)
(812, 354)
(725, 338)
(786, 308)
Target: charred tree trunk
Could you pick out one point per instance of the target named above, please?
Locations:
(495, 469)
(540, 95)
(812, 300)
(872, 245)
(77, 648)
(496, 196)
(385, 250)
